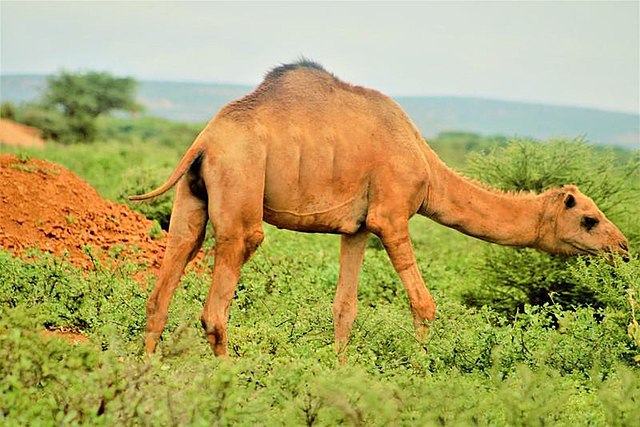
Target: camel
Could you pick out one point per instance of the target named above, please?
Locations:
(308, 152)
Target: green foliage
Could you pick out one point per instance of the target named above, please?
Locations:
(143, 180)
(82, 97)
(52, 123)
(510, 278)
(66, 299)
(155, 232)
(8, 111)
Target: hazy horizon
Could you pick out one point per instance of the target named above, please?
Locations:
(581, 54)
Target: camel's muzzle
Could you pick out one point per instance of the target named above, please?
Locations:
(624, 253)
(621, 249)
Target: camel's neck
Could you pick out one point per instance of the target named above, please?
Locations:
(503, 218)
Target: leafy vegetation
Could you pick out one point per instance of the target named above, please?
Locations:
(143, 180)
(72, 102)
(521, 338)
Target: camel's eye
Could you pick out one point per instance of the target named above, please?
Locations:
(589, 222)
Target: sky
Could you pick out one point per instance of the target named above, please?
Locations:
(583, 54)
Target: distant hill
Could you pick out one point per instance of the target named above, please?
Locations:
(197, 102)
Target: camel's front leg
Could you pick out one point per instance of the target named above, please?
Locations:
(345, 305)
(398, 245)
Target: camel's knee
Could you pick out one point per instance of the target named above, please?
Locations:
(180, 245)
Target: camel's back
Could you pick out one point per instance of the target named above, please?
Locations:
(325, 139)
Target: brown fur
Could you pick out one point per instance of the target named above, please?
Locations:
(308, 152)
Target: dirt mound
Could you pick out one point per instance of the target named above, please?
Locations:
(44, 205)
(12, 133)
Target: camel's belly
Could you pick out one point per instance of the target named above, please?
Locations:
(344, 218)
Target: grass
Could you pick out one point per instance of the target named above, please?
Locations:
(478, 367)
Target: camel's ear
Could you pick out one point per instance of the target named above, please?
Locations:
(569, 201)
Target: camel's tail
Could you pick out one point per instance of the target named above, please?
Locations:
(196, 149)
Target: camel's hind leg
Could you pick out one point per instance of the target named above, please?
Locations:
(235, 210)
(231, 253)
(186, 233)
(345, 305)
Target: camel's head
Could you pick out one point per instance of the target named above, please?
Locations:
(572, 225)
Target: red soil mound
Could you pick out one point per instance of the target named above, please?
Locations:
(13, 133)
(44, 205)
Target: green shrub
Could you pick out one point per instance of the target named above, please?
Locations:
(61, 297)
(142, 180)
(8, 111)
(51, 122)
(43, 379)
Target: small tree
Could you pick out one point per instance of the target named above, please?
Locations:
(83, 97)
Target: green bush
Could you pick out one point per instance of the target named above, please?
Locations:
(51, 122)
(8, 111)
(64, 298)
(143, 180)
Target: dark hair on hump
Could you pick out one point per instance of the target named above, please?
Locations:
(302, 62)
